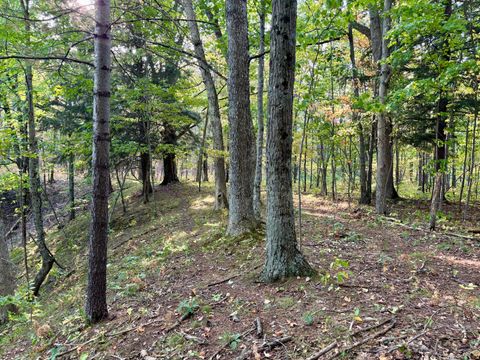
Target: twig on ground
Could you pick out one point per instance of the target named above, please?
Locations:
(325, 350)
(413, 338)
(107, 335)
(373, 326)
(246, 354)
(363, 341)
(230, 277)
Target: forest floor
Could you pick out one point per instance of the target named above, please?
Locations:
(179, 289)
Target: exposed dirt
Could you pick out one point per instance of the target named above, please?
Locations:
(422, 288)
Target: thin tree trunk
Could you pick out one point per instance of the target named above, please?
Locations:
(260, 115)
(356, 120)
(71, 183)
(221, 200)
(283, 258)
(383, 141)
(96, 302)
(241, 217)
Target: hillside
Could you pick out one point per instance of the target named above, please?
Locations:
(180, 289)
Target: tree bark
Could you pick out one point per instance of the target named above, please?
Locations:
(241, 217)
(7, 280)
(96, 303)
(258, 163)
(383, 141)
(356, 120)
(283, 258)
(221, 200)
(71, 183)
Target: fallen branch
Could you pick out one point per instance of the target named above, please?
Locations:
(230, 278)
(373, 326)
(325, 350)
(266, 346)
(106, 335)
(363, 341)
(462, 236)
(413, 338)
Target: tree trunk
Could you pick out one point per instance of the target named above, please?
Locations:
(371, 152)
(221, 200)
(71, 183)
(169, 158)
(356, 120)
(383, 140)
(96, 303)
(145, 168)
(436, 199)
(241, 217)
(283, 258)
(7, 280)
(258, 168)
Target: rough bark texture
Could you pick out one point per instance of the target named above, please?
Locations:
(36, 189)
(169, 158)
(7, 281)
(71, 184)
(221, 200)
(241, 217)
(383, 141)
(261, 64)
(356, 120)
(283, 258)
(34, 172)
(96, 304)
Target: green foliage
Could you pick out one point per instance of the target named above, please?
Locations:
(188, 307)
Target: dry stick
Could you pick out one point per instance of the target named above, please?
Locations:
(413, 338)
(231, 277)
(363, 341)
(266, 346)
(107, 335)
(373, 326)
(325, 350)
(398, 222)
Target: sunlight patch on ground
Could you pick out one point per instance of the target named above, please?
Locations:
(203, 204)
(457, 261)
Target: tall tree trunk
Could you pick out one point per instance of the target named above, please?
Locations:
(356, 120)
(241, 217)
(440, 134)
(283, 258)
(371, 152)
(71, 183)
(221, 200)
(96, 303)
(34, 169)
(260, 115)
(35, 189)
(383, 141)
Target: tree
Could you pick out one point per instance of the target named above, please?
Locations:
(96, 303)
(283, 258)
(7, 280)
(384, 164)
(33, 169)
(260, 115)
(221, 200)
(241, 217)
